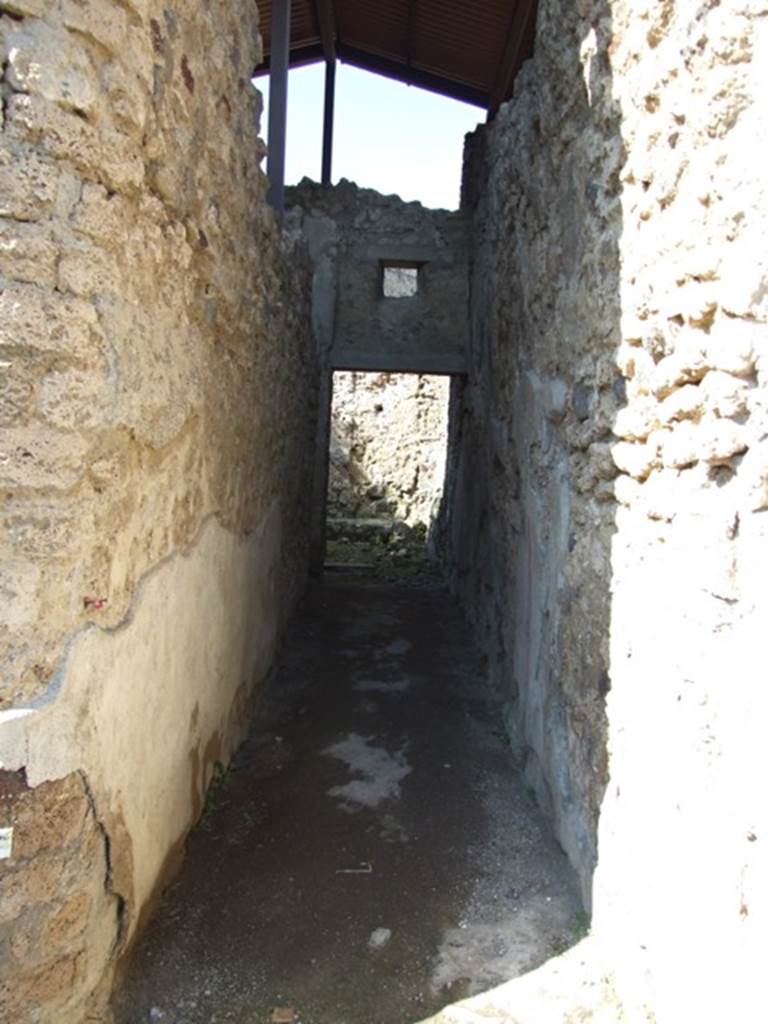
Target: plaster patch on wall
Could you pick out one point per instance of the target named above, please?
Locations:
(205, 623)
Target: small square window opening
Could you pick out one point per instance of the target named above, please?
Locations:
(400, 282)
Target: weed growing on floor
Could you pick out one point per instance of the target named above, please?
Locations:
(214, 797)
(581, 925)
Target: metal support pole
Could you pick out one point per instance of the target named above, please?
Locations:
(330, 96)
(278, 101)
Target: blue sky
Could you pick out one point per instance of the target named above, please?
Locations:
(387, 136)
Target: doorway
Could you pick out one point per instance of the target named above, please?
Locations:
(386, 470)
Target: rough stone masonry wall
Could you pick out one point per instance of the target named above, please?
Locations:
(157, 407)
(351, 233)
(529, 506)
(612, 532)
(689, 561)
(388, 442)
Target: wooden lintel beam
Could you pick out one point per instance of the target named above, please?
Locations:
(440, 363)
(326, 20)
(522, 25)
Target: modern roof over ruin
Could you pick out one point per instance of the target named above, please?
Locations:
(470, 50)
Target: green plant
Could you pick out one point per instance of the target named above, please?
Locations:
(214, 794)
(581, 925)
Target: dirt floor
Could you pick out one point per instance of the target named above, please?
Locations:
(371, 855)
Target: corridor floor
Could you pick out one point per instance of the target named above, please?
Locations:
(371, 855)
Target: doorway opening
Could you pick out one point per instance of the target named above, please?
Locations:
(386, 470)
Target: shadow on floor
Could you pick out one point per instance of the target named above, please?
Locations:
(370, 856)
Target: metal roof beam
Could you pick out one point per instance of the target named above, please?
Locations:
(278, 102)
(411, 75)
(329, 102)
(522, 26)
(300, 55)
(326, 20)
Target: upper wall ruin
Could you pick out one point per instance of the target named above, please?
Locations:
(354, 235)
(355, 238)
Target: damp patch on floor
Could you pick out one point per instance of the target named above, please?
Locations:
(399, 646)
(379, 772)
(383, 686)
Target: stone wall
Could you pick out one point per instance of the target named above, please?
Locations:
(353, 233)
(607, 485)
(529, 514)
(388, 446)
(158, 411)
(685, 806)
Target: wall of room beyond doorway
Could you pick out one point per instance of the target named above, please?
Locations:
(388, 446)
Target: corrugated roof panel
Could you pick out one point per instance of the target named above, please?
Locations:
(450, 38)
(380, 27)
(451, 41)
(304, 28)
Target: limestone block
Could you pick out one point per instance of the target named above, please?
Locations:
(27, 253)
(106, 24)
(637, 366)
(87, 271)
(29, 8)
(140, 8)
(725, 395)
(53, 818)
(744, 285)
(601, 460)
(102, 154)
(735, 344)
(682, 446)
(102, 217)
(682, 367)
(50, 983)
(75, 399)
(48, 322)
(17, 385)
(635, 421)
(713, 441)
(636, 459)
(43, 528)
(48, 62)
(755, 469)
(627, 490)
(127, 98)
(721, 440)
(47, 879)
(19, 582)
(684, 403)
(40, 457)
(70, 920)
(28, 185)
